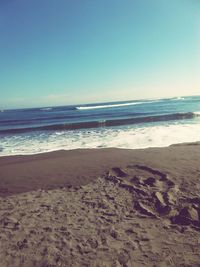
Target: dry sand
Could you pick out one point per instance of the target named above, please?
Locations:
(108, 207)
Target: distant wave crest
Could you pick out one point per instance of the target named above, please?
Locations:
(113, 105)
(46, 109)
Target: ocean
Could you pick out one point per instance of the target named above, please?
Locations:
(131, 124)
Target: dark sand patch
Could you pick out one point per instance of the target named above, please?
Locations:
(52, 170)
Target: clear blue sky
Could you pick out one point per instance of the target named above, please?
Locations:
(57, 52)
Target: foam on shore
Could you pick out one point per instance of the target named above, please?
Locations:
(120, 137)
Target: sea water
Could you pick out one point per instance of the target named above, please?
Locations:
(130, 124)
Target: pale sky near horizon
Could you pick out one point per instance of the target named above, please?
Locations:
(60, 52)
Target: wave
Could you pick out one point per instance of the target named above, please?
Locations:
(180, 98)
(46, 109)
(105, 123)
(52, 118)
(36, 110)
(172, 98)
(114, 105)
(126, 137)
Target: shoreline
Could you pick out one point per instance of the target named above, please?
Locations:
(51, 170)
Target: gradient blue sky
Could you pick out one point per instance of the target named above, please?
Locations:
(57, 52)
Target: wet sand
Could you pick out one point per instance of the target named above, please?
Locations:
(101, 207)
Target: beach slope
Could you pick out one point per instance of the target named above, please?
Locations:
(101, 207)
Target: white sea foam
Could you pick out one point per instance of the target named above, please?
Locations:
(126, 137)
(46, 109)
(179, 98)
(114, 105)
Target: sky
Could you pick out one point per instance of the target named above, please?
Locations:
(62, 52)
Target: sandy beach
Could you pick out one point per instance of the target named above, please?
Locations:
(101, 207)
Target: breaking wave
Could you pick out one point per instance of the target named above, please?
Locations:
(105, 123)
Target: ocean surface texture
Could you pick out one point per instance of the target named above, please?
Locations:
(131, 124)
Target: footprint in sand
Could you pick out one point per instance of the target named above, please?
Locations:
(152, 190)
(155, 195)
(188, 215)
(118, 172)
